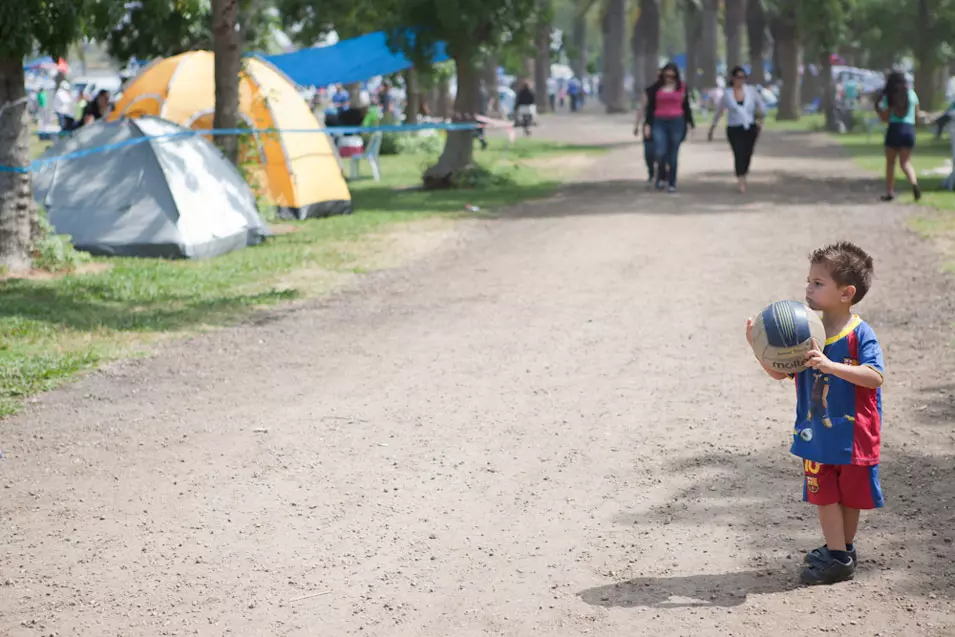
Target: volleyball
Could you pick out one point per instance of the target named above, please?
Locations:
(783, 334)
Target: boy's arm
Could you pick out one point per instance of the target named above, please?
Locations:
(749, 339)
(861, 375)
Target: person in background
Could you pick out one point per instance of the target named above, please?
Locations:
(341, 99)
(41, 103)
(64, 107)
(649, 150)
(898, 106)
(552, 93)
(350, 143)
(745, 112)
(386, 102)
(482, 109)
(669, 117)
(574, 92)
(97, 108)
(523, 107)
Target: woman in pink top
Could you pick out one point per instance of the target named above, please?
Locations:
(668, 118)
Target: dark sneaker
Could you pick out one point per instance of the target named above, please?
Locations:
(888, 197)
(821, 556)
(916, 192)
(830, 572)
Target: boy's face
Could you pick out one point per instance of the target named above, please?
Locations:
(823, 294)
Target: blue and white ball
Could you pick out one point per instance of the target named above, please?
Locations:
(783, 333)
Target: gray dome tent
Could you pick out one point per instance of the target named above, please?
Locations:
(173, 197)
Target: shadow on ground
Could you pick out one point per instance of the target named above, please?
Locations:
(704, 193)
(756, 496)
(726, 589)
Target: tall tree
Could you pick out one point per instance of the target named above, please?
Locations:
(578, 38)
(708, 52)
(756, 36)
(693, 35)
(645, 44)
(614, 32)
(734, 20)
(542, 38)
(468, 27)
(784, 26)
(26, 25)
(227, 46)
(824, 25)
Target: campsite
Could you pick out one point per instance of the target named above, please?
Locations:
(436, 318)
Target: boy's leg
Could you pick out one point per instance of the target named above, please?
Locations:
(833, 527)
(850, 523)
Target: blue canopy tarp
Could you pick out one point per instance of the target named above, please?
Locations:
(353, 60)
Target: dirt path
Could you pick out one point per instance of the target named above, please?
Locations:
(552, 427)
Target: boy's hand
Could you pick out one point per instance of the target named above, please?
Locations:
(815, 359)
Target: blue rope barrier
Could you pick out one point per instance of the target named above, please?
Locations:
(37, 164)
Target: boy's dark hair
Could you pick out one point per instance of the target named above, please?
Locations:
(848, 264)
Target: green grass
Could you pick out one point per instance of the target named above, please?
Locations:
(52, 329)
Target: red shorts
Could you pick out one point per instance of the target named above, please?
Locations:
(850, 485)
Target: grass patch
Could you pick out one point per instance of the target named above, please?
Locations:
(52, 329)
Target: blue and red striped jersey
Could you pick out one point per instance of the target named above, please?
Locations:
(838, 422)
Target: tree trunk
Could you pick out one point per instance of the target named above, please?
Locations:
(734, 20)
(693, 32)
(649, 44)
(16, 189)
(227, 47)
(542, 65)
(787, 42)
(708, 54)
(828, 90)
(412, 96)
(927, 65)
(756, 34)
(579, 42)
(527, 71)
(459, 145)
(614, 38)
(638, 50)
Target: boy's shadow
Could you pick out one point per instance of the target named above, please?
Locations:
(727, 589)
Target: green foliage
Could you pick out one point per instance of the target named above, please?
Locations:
(51, 24)
(420, 144)
(160, 28)
(54, 252)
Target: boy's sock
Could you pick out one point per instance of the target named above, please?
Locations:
(840, 556)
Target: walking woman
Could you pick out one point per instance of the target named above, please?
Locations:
(899, 106)
(655, 173)
(745, 111)
(668, 117)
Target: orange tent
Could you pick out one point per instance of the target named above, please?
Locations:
(299, 172)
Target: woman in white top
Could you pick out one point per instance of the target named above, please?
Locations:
(745, 111)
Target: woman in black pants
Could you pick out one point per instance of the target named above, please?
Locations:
(744, 115)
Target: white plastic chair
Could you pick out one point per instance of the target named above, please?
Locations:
(371, 156)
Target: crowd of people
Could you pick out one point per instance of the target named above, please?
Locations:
(665, 117)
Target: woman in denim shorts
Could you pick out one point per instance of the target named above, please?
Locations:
(899, 107)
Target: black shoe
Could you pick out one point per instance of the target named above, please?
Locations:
(886, 197)
(821, 556)
(916, 192)
(661, 185)
(829, 572)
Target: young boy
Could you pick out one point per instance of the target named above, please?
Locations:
(838, 410)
